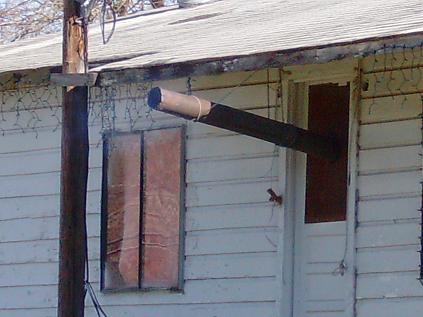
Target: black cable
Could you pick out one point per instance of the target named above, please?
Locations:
(103, 21)
(88, 287)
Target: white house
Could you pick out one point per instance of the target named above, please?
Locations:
(179, 217)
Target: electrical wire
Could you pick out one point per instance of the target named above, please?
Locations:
(103, 14)
(88, 287)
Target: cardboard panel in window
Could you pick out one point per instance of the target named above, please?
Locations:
(123, 212)
(161, 208)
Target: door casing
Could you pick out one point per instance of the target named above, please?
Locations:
(294, 82)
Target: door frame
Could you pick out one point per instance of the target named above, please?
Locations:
(293, 78)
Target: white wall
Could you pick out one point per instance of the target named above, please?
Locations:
(231, 228)
(389, 189)
(232, 265)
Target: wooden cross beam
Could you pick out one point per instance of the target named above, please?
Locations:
(74, 79)
(279, 133)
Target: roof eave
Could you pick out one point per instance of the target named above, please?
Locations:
(298, 56)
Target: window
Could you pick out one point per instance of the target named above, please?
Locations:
(326, 181)
(142, 203)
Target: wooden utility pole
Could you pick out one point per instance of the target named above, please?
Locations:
(74, 173)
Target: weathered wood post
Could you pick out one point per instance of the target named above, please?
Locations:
(74, 171)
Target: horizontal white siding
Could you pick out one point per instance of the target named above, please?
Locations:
(231, 228)
(390, 173)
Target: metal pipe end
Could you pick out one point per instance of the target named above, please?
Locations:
(189, 107)
(154, 98)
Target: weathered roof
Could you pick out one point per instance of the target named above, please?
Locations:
(227, 28)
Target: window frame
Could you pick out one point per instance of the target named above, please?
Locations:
(106, 136)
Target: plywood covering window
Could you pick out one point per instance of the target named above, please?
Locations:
(142, 202)
(326, 181)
